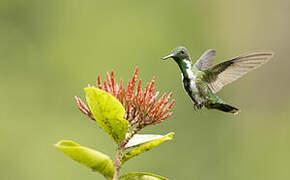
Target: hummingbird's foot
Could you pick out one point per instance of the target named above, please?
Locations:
(199, 106)
(194, 107)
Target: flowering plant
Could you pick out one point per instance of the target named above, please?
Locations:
(121, 112)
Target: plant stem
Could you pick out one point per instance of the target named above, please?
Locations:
(120, 151)
(117, 163)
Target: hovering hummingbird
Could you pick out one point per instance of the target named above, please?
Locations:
(202, 80)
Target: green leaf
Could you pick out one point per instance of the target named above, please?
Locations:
(141, 176)
(141, 148)
(95, 160)
(108, 112)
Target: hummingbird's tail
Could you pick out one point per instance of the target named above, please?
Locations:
(224, 107)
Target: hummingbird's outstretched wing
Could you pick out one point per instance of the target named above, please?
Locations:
(228, 71)
(206, 60)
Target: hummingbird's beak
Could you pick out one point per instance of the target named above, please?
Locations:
(169, 56)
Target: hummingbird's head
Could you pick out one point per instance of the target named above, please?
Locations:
(178, 54)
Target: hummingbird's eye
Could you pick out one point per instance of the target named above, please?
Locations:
(182, 52)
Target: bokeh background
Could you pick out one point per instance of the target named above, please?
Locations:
(50, 50)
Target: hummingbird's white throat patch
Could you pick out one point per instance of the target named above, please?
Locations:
(189, 71)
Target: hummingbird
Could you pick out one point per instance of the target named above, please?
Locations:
(203, 80)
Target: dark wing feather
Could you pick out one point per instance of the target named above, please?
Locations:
(228, 71)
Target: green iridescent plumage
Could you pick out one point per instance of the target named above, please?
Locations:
(202, 80)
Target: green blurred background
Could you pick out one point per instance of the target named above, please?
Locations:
(50, 50)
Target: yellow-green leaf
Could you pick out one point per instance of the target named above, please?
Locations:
(108, 112)
(141, 176)
(146, 147)
(95, 160)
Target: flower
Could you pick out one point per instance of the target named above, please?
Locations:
(142, 106)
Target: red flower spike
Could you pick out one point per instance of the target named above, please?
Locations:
(135, 75)
(109, 82)
(151, 87)
(119, 92)
(139, 87)
(142, 106)
(83, 108)
(168, 98)
(121, 85)
(99, 82)
(134, 79)
(128, 90)
(128, 111)
(106, 87)
(113, 83)
(145, 94)
(123, 92)
(139, 92)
